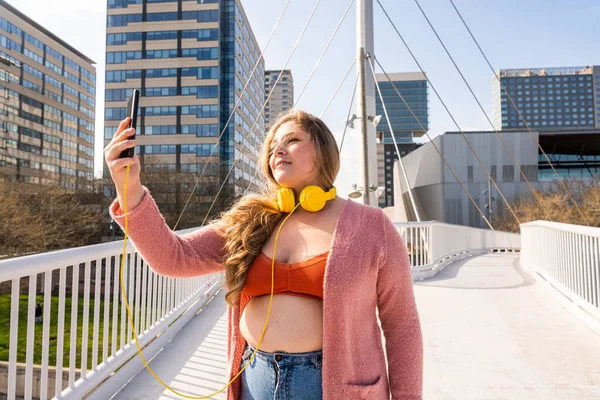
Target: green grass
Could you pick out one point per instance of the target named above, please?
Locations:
(22, 333)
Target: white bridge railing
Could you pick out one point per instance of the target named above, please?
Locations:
(69, 307)
(568, 257)
(83, 336)
(433, 245)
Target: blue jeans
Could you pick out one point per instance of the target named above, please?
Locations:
(281, 375)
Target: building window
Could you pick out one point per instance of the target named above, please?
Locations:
(508, 173)
(470, 173)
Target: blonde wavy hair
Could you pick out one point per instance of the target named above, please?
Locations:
(252, 220)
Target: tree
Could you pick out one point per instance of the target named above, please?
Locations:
(557, 206)
(176, 193)
(38, 218)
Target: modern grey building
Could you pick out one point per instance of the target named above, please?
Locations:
(548, 98)
(439, 196)
(47, 105)
(437, 193)
(191, 61)
(282, 94)
(414, 89)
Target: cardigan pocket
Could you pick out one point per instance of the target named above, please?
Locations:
(376, 390)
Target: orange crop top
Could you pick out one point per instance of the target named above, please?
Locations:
(304, 278)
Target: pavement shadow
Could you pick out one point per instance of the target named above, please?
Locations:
(451, 271)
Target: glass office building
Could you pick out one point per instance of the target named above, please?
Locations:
(47, 106)
(190, 59)
(548, 98)
(282, 95)
(414, 89)
(563, 105)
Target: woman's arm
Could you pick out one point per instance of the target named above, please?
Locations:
(399, 317)
(193, 254)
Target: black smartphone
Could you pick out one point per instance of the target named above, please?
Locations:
(132, 111)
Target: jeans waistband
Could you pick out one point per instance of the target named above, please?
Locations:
(284, 358)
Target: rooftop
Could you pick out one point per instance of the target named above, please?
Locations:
(402, 76)
(524, 72)
(45, 31)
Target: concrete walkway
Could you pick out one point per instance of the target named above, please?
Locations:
(490, 332)
(194, 363)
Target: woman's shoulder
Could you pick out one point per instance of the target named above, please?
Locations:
(368, 220)
(358, 209)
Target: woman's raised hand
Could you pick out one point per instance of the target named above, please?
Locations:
(118, 166)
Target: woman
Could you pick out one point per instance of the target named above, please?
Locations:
(336, 271)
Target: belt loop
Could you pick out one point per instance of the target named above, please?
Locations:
(315, 359)
(246, 353)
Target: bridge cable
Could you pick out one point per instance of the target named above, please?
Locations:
(520, 114)
(452, 117)
(262, 109)
(436, 148)
(337, 89)
(310, 77)
(324, 51)
(387, 117)
(514, 160)
(343, 135)
(233, 111)
(349, 111)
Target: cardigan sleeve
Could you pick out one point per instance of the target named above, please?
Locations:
(193, 254)
(399, 318)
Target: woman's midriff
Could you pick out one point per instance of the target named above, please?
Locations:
(295, 323)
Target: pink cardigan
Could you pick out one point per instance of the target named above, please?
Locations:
(367, 268)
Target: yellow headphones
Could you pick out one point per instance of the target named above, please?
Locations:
(312, 198)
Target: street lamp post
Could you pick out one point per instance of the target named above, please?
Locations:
(358, 191)
(491, 198)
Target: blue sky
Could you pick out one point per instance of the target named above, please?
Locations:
(514, 34)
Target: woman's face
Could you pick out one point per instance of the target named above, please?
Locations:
(293, 157)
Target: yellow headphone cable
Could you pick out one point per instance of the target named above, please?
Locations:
(129, 317)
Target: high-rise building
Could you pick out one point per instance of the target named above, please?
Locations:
(191, 60)
(548, 98)
(414, 89)
(282, 98)
(47, 105)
